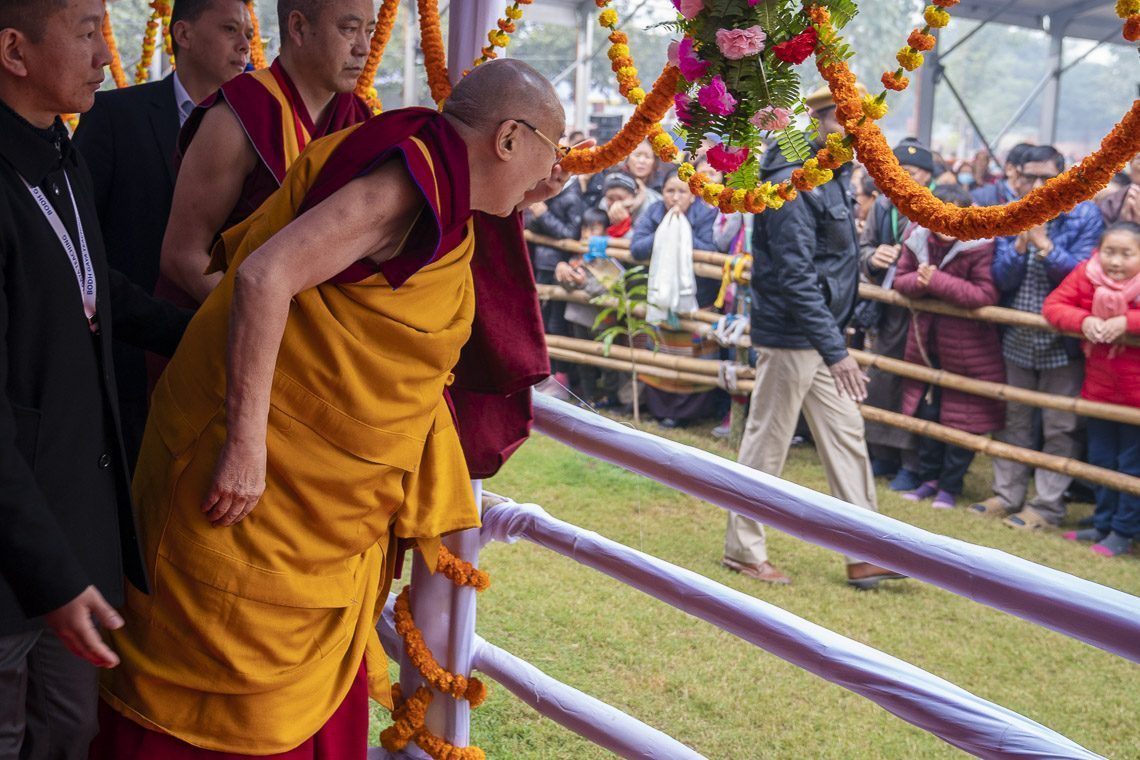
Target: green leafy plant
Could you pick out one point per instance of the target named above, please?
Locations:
(623, 302)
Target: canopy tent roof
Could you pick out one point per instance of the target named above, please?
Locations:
(1082, 19)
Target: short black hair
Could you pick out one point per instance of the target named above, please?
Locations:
(1122, 178)
(1016, 155)
(1043, 153)
(954, 194)
(29, 16)
(593, 216)
(189, 11)
(1130, 227)
(868, 186)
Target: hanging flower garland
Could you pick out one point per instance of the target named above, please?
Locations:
(916, 202)
(629, 85)
(500, 36)
(366, 83)
(256, 45)
(159, 11)
(167, 42)
(920, 41)
(409, 714)
(1129, 12)
(435, 57)
(645, 121)
(117, 72)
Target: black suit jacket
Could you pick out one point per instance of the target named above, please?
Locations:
(65, 512)
(128, 140)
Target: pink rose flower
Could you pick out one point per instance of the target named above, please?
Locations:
(772, 118)
(714, 97)
(692, 67)
(740, 43)
(690, 8)
(681, 103)
(672, 53)
(726, 159)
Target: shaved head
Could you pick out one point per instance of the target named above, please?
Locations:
(29, 16)
(505, 89)
(310, 9)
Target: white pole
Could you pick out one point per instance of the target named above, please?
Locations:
(583, 72)
(411, 78)
(445, 614)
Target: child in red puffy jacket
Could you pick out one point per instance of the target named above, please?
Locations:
(1099, 300)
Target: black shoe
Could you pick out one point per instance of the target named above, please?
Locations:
(668, 423)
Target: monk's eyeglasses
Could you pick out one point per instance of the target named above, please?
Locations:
(560, 151)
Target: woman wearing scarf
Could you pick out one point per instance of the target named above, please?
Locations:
(1099, 300)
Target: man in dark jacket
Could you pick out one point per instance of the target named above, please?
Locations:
(880, 243)
(129, 139)
(68, 534)
(804, 279)
(1026, 269)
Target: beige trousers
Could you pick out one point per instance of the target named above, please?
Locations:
(788, 380)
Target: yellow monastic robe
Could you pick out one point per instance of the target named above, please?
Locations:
(254, 633)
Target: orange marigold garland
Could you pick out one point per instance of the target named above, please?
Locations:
(500, 36)
(408, 714)
(920, 41)
(256, 45)
(620, 59)
(435, 56)
(117, 72)
(167, 42)
(644, 124)
(916, 202)
(159, 11)
(1129, 12)
(366, 83)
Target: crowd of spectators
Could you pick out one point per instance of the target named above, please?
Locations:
(809, 258)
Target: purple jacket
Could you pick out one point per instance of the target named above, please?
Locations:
(962, 346)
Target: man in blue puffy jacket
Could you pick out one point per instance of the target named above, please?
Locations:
(1026, 269)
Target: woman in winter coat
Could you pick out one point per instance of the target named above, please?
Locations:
(958, 273)
(1099, 299)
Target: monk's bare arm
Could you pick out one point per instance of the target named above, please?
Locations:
(366, 218)
(209, 184)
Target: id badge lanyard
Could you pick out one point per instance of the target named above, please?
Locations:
(81, 258)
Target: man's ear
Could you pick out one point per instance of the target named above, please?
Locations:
(297, 26)
(180, 34)
(506, 140)
(12, 48)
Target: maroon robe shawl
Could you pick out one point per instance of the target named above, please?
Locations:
(506, 353)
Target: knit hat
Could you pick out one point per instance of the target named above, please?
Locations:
(619, 179)
(911, 152)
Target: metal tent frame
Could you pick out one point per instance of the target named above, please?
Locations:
(1061, 19)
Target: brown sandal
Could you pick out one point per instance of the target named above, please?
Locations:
(1027, 519)
(991, 507)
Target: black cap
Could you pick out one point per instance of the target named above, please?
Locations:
(619, 179)
(911, 152)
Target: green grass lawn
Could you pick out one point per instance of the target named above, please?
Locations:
(727, 699)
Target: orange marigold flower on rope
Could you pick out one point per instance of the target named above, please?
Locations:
(935, 17)
(619, 38)
(435, 55)
(385, 21)
(894, 80)
(818, 15)
(909, 58)
(921, 41)
(256, 48)
(1132, 29)
(117, 72)
(621, 63)
(916, 202)
(506, 26)
(945, 3)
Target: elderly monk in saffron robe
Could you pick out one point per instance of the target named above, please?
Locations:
(274, 484)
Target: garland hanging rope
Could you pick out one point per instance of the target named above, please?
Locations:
(409, 713)
(435, 57)
(500, 36)
(159, 11)
(117, 72)
(366, 84)
(1060, 194)
(256, 45)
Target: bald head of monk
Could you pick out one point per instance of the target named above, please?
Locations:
(326, 42)
(510, 119)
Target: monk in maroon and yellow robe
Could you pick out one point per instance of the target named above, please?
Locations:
(274, 482)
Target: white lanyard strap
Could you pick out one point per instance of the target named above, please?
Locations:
(81, 259)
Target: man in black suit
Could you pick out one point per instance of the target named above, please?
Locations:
(129, 139)
(67, 533)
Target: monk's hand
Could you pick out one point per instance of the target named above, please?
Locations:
(239, 481)
(74, 624)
